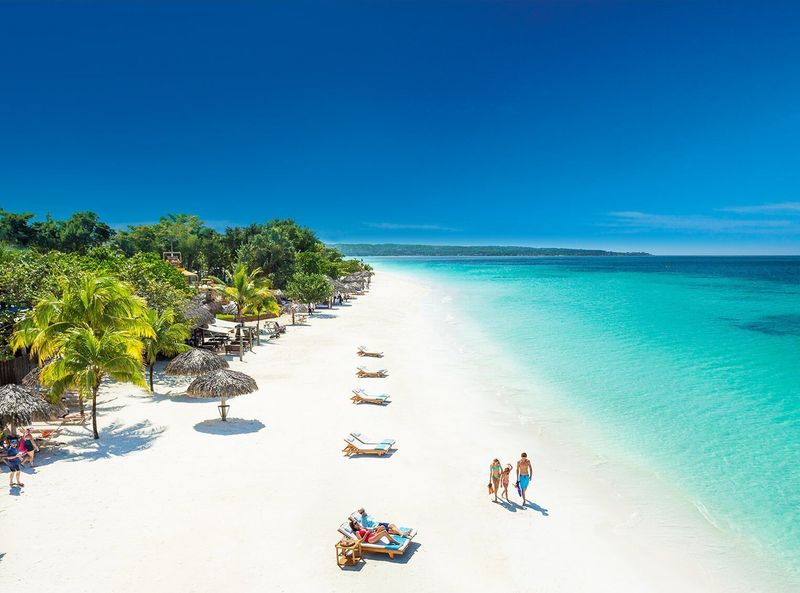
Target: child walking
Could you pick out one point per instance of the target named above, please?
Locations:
(505, 478)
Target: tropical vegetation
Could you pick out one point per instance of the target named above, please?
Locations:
(91, 329)
(34, 255)
(90, 303)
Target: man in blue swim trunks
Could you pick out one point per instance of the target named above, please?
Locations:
(524, 473)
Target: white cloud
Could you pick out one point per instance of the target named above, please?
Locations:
(784, 207)
(631, 221)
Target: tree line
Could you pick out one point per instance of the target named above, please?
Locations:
(280, 247)
(37, 256)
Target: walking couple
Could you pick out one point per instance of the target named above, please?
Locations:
(499, 475)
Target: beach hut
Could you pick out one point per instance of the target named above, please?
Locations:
(195, 362)
(19, 404)
(223, 384)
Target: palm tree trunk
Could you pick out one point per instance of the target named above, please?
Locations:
(151, 376)
(94, 410)
(81, 406)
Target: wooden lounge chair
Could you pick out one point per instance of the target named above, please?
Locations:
(362, 397)
(355, 447)
(362, 351)
(363, 372)
(365, 440)
(391, 549)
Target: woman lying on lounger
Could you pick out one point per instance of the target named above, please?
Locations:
(372, 536)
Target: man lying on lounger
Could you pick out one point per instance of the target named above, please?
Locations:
(368, 523)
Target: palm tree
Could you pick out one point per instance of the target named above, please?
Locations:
(96, 303)
(263, 302)
(246, 288)
(86, 358)
(168, 338)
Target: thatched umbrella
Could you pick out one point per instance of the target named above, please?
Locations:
(18, 405)
(223, 383)
(195, 362)
(198, 314)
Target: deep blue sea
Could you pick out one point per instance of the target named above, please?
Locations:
(690, 363)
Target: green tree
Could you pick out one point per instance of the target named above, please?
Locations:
(47, 234)
(272, 252)
(263, 303)
(99, 304)
(309, 288)
(301, 238)
(24, 276)
(14, 228)
(168, 338)
(161, 284)
(311, 262)
(83, 230)
(85, 358)
(245, 287)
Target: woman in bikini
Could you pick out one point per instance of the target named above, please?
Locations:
(28, 447)
(372, 536)
(494, 476)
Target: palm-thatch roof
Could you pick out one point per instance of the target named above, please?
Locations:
(222, 383)
(197, 311)
(195, 362)
(338, 285)
(18, 405)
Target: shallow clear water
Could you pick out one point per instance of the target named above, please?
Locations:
(691, 364)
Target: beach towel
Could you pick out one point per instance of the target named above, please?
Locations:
(519, 490)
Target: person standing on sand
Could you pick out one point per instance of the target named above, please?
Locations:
(495, 470)
(505, 479)
(28, 448)
(524, 473)
(12, 459)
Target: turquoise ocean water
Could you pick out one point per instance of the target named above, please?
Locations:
(691, 364)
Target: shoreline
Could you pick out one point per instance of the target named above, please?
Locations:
(584, 452)
(178, 507)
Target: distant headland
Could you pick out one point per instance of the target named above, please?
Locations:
(400, 249)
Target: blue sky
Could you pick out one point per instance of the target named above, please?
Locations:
(672, 127)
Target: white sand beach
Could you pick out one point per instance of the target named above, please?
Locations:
(170, 499)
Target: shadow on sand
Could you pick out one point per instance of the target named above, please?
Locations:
(536, 507)
(231, 426)
(115, 441)
(412, 548)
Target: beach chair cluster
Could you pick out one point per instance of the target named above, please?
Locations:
(391, 550)
(360, 444)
